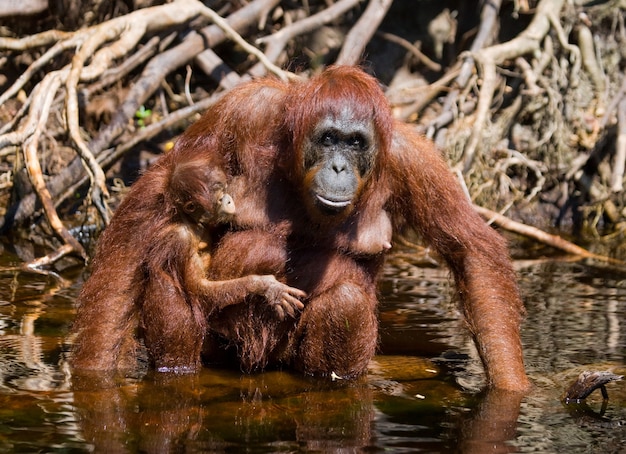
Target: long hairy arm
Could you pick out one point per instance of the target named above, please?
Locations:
(428, 197)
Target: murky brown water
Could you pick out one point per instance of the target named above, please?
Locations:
(419, 396)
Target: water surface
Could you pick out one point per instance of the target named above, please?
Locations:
(422, 392)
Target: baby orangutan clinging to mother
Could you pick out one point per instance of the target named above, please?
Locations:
(149, 274)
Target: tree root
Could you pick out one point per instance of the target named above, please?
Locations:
(362, 32)
(98, 48)
(487, 59)
(507, 117)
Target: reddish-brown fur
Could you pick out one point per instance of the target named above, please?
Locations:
(261, 130)
(149, 274)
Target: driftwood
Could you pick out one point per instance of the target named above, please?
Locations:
(587, 382)
(543, 237)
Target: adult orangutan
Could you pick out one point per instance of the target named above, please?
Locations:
(148, 281)
(322, 176)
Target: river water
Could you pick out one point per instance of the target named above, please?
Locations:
(422, 393)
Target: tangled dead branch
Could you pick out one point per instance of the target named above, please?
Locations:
(489, 57)
(533, 112)
(98, 48)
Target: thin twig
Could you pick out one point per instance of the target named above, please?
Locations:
(421, 56)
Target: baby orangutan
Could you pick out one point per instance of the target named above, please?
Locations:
(157, 250)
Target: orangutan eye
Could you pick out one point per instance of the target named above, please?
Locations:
(357, 141)
(189, 207)
(328, 139)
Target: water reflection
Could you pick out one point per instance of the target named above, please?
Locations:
(420, 395)
(220, 411)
